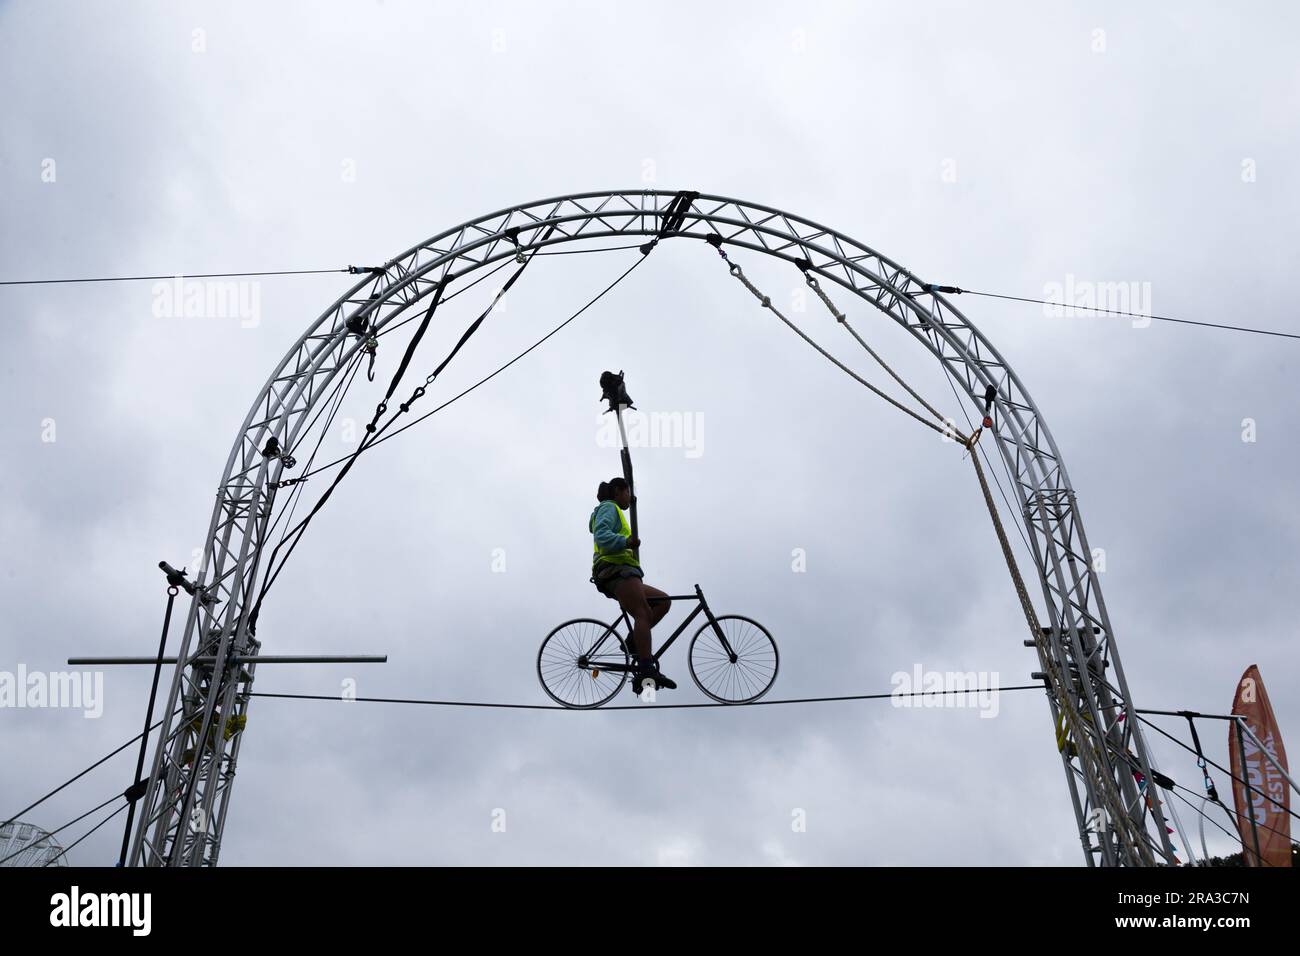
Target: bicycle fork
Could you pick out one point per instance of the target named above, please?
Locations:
(713, 621)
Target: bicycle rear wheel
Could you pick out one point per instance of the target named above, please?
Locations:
(740, 675)
(573, 660)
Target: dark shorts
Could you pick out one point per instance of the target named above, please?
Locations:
(606, 576)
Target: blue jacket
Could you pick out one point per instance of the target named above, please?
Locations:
(606, 524)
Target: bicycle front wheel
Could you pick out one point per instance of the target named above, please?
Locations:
(573, 660)
(739, 671)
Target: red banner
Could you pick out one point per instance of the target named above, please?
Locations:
(1268, 803)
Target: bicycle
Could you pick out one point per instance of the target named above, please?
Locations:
(732, 659)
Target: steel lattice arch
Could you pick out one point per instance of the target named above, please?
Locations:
(1119, 819)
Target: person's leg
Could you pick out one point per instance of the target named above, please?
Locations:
(630, 593)
(658, 609)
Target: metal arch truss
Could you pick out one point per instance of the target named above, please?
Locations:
(1106, 761)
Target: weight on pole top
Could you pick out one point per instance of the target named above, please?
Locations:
(614, 391)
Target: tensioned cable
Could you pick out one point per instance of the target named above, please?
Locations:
(1169, 785)
(765, 301)
(64, 851)
(483, 278)
(345, 381)
(205, 275)
(806, 267)
(949, 430)
(72, 780)
(1212, 795)
(497, 268)
(373, 429)
(569, 252)
(969, 443)
(1019, 518)
(1092, 761)
(1235, 837)
(482, 381)
(340, 391)
(116, 796)
(756, 703)
(1138, 315)
(840, 317)
(374, 437)
(1233, 816)
(295, 497)
(575, 252)
(1231, 775)
(283, 272)
(844, 321)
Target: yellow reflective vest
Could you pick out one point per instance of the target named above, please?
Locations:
(610, 535)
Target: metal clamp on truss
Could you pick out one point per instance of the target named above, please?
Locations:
(513, 235)
(272, 449)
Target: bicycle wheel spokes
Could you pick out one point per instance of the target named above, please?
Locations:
(741, 670)
(574, 660)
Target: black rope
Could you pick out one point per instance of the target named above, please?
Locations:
(578, 252)
(485, 379)
(116, 796)
(332, 404)
(1210, 790)
(414, 344)
(72, 780)
(387, 330)
(206, 275)
(372, 431)
(137, 788)
(756, 703)
(501, 265)
(1139, 315)
(1233, 776)
(1232, 816)
(64, 851)
(1235, 837)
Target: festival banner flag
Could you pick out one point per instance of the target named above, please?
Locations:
(1268, 802)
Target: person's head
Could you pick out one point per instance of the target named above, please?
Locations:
(616, 490)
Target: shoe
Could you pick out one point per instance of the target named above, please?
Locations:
(653, 673)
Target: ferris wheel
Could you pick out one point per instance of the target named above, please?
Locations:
(27, 845)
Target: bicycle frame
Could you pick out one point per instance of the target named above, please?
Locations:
(701, 607)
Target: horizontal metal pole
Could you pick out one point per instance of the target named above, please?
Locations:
(1186, 713)
(239, 659)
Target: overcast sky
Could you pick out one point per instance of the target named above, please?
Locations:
(998, 147)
